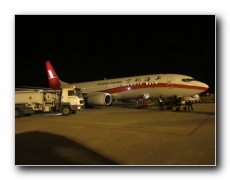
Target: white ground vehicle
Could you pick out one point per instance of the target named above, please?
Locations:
(66, 101)
(194, 99)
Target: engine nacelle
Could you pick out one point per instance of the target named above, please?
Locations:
(100, 99)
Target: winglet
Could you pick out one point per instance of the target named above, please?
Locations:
(53, 79)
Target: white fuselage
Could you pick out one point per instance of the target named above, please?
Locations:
(147, 85)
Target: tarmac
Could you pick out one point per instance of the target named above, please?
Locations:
(118, 135)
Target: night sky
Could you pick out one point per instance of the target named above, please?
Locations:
(93, 47)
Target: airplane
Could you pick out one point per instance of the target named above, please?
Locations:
(104, 92)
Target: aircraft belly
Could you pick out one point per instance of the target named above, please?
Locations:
(133, 94)
(167, 92)
(156, 92)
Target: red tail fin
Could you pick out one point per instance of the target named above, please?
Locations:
(52, 77)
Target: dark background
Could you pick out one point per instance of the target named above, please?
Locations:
(93, 47)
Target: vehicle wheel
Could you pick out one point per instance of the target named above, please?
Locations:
(66, 111)
(185, 109)
(18, 113)
(177, 109)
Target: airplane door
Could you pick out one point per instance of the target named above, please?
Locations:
(170, 82)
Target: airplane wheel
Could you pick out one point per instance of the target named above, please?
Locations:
(66, 111)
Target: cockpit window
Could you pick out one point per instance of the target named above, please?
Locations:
(188, 79)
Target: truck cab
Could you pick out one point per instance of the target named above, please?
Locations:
(71, 100)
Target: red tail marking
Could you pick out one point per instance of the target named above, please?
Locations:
(52, 77)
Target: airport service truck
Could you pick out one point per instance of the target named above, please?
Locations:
(67, 101)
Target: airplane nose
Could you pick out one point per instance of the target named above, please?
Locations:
(205, 86)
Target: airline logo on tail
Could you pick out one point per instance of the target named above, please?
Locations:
(52, 77)
(50, 74)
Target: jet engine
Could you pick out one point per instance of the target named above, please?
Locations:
(99, 99)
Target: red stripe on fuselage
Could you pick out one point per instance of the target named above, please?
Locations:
(159, 85)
